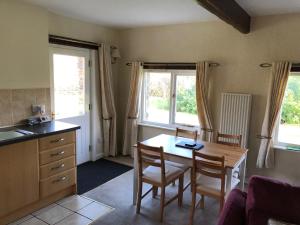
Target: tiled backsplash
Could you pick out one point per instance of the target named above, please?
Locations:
(15, 104)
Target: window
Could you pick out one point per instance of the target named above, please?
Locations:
(169, 98)
(288, 132)
(69, 85)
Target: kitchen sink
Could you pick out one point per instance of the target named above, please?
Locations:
(11, 134)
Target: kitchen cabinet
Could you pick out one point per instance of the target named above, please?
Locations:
(36, 171)
(19, 174)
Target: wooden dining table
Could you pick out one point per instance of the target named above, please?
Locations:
(235, 158)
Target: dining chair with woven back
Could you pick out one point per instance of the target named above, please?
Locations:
(153, 170)
(208, 179)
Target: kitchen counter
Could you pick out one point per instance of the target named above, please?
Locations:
(38, 131)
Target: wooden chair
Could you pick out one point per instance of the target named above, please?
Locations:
(208, 179)
(231, 140)
(158, 174)
(187, 133)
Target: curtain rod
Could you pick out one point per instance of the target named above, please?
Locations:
(54, 39)
(211, 64)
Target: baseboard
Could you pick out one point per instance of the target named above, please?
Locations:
(98, 156)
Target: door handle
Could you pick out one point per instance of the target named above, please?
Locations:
(58, 167)
(57, 154)
(57, 140)
(60, 179)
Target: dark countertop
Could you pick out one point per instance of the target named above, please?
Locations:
(39, 130)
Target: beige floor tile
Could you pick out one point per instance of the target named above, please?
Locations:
(44, 209)
(75, 219)
(19, 221)
(54, 214)
(74, 203)
(95, 210)
(33, 221)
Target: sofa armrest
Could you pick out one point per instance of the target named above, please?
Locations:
(269, 198)
(234, 210)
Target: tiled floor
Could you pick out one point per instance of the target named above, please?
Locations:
(74, 210)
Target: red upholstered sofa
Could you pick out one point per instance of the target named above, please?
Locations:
(266, 198)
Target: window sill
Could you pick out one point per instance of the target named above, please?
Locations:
(156, 126)
(285, 148)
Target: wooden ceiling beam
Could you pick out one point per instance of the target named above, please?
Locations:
(230, 12)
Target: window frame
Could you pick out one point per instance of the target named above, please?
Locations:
(277, 143)
(172, 110)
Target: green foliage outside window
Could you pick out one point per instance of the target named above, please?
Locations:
(186, 100)
(291, 103)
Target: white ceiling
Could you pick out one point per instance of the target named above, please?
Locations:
(270, 7)
(137, 13)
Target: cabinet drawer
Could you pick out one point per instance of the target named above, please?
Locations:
(57, 154)
(51, 169)
(57, 140)
(57, 182)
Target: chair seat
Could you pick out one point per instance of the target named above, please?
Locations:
(153, 173)
(208, 185)
(175, 164)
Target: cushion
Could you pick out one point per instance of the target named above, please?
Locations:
(153, 173)
(208, 185)
(179, 165)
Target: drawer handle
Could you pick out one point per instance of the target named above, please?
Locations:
(57, 154)
(59, 179)
(57, 140)
(58, 167)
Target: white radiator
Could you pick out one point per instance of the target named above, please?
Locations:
(235, 115)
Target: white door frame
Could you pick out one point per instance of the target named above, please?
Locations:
(53, 48)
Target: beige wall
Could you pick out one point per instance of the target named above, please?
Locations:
(272, 38)
(23, 46)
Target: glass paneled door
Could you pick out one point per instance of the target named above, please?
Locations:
(70, 88)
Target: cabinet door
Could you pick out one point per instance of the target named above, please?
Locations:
(19, 175)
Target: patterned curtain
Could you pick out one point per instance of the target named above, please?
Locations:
(280, 74)
(131, 128)
(107, 101)
(202, 92)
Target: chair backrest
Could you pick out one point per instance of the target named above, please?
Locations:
(229, 139)
(192, 134)
(211, 166)
(150, 156)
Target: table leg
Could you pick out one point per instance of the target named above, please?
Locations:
(135, 176)
(242, 174)
(228, 181)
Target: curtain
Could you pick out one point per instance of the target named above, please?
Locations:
(107, 101)
(280, 74)
(202, 93)
(130, 129)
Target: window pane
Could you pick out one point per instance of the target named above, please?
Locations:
(69, 85)
(289, 128)
(186, 109)
(157, 97)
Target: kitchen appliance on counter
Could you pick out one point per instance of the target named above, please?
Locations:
(39, 115)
